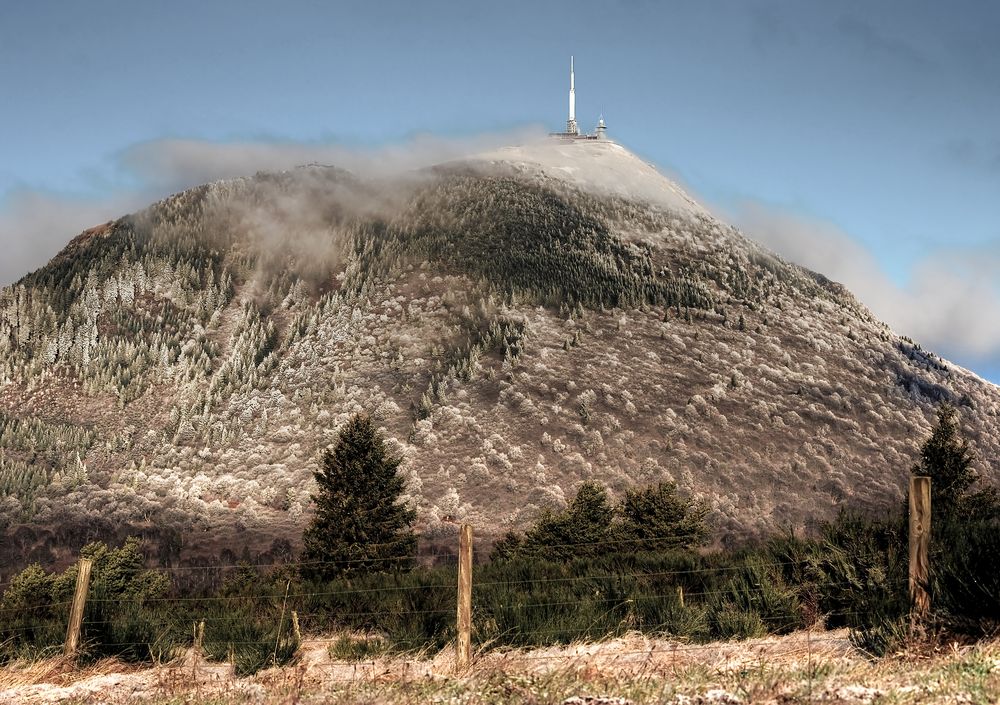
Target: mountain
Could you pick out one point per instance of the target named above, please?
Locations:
(518, 322)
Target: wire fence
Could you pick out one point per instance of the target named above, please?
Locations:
(265, 613)
(609, 603)
(295, 567)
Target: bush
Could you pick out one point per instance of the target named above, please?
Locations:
(731, 622)
(754, 601)
(26, 610)
(358, 648)
(965, 576)
(31, 624)
(583, 529)
(122, 616)
(656, 518)
(667, 615)
(136, 633)
(882, 635)
(414, 610)
(863, 566)
(249, 641)
(647, 520)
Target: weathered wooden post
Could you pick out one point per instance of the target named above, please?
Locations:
(281, 623)
(920, 538)
(79, 604)
(464, 647)
(199, 639)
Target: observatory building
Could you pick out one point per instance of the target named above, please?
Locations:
(572, 130)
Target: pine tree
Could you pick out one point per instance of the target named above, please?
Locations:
(581, 530)
(360, 524)
(656, 518)
(947, 459)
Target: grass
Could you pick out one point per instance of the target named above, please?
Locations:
(797, 668)
(352, 647)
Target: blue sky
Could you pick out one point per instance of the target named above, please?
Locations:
(859, 138)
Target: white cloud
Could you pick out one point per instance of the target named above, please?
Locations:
(951, 302)
(176, 163)
(36, 224)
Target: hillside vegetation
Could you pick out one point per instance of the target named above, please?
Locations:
(175, 373)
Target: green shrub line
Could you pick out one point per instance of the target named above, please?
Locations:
(852, 574)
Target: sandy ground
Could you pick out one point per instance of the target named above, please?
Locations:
(802, 667)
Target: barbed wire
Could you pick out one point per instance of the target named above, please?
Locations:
(347, 561)
(37, 606)
(335, 615)
(578, 578)
(619, 602)
(620, 577)
(622, 591)
(660, 573)
(675, 538)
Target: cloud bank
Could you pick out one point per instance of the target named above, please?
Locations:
(36, 224)
(178, 163)
(950, 303)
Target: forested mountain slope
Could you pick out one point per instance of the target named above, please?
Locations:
(518, 323)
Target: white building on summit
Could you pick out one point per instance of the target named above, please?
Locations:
(572, 130)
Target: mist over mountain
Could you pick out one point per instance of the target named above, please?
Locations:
(518, 322)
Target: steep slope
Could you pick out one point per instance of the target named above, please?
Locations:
(518, 322)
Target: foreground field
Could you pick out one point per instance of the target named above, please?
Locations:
(800, 668)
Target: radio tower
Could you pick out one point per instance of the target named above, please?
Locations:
(571, 128)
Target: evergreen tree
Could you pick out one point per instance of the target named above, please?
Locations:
(581, 530)
(508, 546)
(656, 518)
(360, 524)
(946, 458)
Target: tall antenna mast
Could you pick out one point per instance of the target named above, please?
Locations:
(571, 128)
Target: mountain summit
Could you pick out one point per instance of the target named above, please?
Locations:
(600, 167)
(518, 322)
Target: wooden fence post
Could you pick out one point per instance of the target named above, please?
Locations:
(464, 648)
(79, 603)
(281, 622)
(196, 652)
(920, 538)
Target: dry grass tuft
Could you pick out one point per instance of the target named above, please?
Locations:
(60, 670)
(801, 667)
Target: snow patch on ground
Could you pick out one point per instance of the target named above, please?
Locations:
(600, 166)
